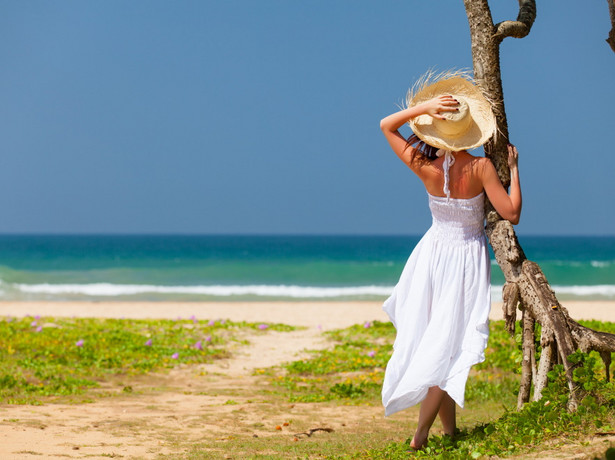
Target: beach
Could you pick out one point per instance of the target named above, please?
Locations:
(324, 315)
(211, 404)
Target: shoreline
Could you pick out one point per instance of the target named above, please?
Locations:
(324, 315)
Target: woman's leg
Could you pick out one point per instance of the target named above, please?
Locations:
(427, 414)
(447, 414)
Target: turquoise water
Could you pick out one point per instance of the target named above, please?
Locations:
(261, 267)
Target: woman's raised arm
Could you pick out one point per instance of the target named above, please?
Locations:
(392, 123)
(507, 206)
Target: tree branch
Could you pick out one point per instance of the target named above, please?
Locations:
(522, 26)
(549, 350)
(527, 371)
(611, 39)
(588, 339)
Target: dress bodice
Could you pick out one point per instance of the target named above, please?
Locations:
(457, 218)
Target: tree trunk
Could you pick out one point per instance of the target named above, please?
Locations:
(611, 38)
(525, 281)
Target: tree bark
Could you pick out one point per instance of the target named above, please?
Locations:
(544, 366)
(611, 38)
(526, 364)
(525, 282)
(522, 26)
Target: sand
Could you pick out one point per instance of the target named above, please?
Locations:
(325, 315)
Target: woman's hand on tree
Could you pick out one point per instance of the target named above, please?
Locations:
(513, 156)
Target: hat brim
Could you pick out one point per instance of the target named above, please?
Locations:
(481, 128)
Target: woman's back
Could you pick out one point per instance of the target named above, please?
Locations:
(463, 181)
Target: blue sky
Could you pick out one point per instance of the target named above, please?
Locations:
(262, 117)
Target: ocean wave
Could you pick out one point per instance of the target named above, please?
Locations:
(601, 263)
(272, 291)
(571, 263)
(606, 290)
(599, 290)
(113, 290)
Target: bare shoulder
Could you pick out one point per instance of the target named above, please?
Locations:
(481, 165)
(419, 163)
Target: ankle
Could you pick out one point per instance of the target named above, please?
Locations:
(420, 439)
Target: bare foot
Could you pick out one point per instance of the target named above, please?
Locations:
(418, 443)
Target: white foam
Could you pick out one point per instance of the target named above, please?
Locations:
(288, 291)
(600, 263)
(602, 290)
(607, 290)
(110, 290)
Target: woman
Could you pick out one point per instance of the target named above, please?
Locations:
(441, 303)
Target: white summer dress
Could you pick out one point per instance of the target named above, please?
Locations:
(440, 306)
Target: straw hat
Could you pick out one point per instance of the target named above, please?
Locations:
(470, 127)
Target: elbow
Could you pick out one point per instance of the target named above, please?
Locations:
(383, 124)
(514, 218)
(386, 126)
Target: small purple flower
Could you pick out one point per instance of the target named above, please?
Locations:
(371, 354)
(39, 329)
(194, 320)
(37, 317)
(79, 343)
(175, 356)
(148, 343)
(211, 322)
(222, 322)
(208, 338)
(9, 319)
(198, 345)
(367, 325)
(319, 327)
(33, 323)
(262, 327)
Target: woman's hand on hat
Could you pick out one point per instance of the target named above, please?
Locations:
(444, 103)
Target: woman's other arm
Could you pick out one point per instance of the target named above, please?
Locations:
(507, 206)
(392, 123)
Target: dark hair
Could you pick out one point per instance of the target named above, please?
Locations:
(420, 146)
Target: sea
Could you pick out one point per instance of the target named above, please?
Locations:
(261, 268)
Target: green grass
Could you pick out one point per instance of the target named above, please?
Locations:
(353, 370)
(44, 357)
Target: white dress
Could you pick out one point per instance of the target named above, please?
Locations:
(440, 306)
